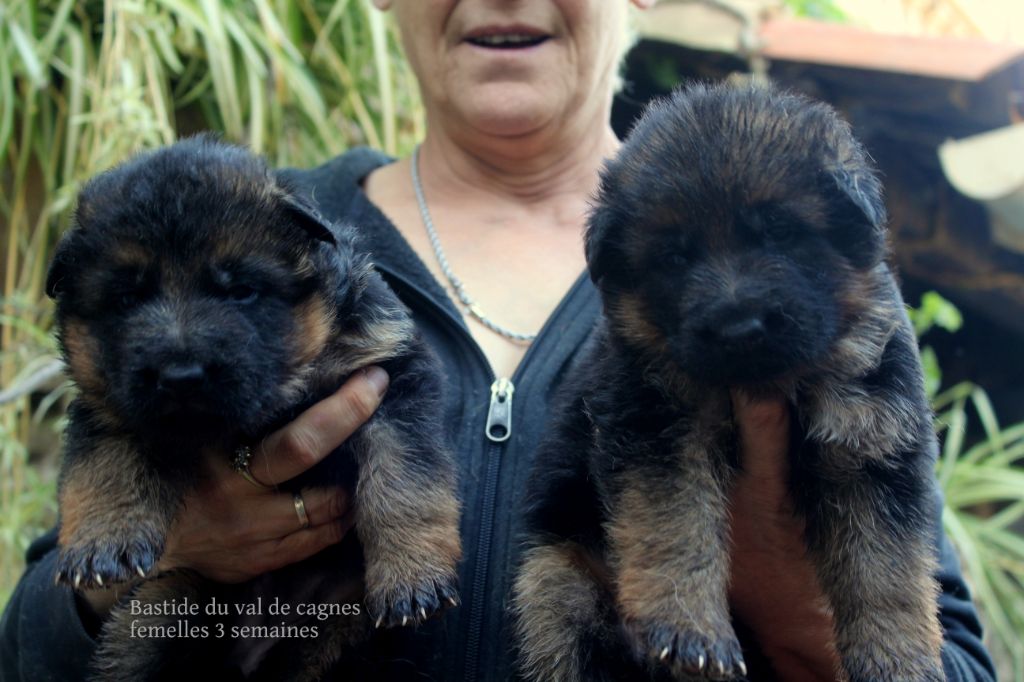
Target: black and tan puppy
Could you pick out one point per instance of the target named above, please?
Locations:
(202, 304)
(738, 241)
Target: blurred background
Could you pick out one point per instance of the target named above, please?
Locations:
(934, 88)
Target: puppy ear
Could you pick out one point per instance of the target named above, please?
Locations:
(58, 278)
(857, 215)
(600, 251)
(309, 219)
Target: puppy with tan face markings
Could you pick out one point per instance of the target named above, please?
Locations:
(738, 241)
(202, 304)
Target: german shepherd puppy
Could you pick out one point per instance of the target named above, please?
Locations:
(738, 241)
(201, 304)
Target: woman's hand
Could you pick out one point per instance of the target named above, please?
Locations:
(230, 530)
(774, 589)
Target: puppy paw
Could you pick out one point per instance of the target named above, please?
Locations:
(412, 603)
(687, 652)
(100, 561)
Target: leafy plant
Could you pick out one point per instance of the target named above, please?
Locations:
(984, 489)
(983, 485)
(934, 311)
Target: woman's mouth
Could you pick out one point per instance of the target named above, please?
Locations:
(514, 39)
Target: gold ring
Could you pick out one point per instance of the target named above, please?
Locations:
(240, 463)
(300, 510)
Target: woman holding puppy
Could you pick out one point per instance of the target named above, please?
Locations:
(480, 233)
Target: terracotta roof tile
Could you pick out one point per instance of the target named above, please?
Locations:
(960, 59)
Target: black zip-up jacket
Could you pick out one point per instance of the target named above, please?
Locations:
(42, 636)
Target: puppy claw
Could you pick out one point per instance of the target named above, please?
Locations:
(687, 651)
(380, 621)
(411, 604)
(743, 669)
(96, 561)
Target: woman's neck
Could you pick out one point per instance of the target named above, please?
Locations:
(510, 215)
(530, 170)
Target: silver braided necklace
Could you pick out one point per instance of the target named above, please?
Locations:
(460, 291)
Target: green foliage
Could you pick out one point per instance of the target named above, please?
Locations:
(663, 70)
(934, 311)
(825, 10)
(86, 83)
(984, 488)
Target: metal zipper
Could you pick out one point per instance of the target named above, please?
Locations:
(499, 414)
(500, 410)
(482, 568)
(498, 430)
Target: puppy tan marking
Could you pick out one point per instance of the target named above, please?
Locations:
(412, 557)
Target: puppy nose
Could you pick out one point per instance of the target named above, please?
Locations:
(181, 378)
(744, 330)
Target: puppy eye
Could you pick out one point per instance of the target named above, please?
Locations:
(241, 293)
(235, 284)
(670, 260)
(782, 231)
(129, 288)
(129, 300)
(780, 226)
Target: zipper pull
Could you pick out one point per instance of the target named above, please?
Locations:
(499, 416)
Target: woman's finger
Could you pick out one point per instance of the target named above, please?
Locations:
(288, 452)
(764, 437)
(322, 505)
(303, 544)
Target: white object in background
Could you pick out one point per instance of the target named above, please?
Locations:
(990, 168)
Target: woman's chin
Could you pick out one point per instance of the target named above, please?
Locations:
(511, 111)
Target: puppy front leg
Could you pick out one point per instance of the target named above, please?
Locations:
(875, 562)
(565, 626)
(865, 485)
(670, 552)
(407, 519)
(114, 513)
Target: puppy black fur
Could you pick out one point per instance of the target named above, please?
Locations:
(201, 304)
(738, 241)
